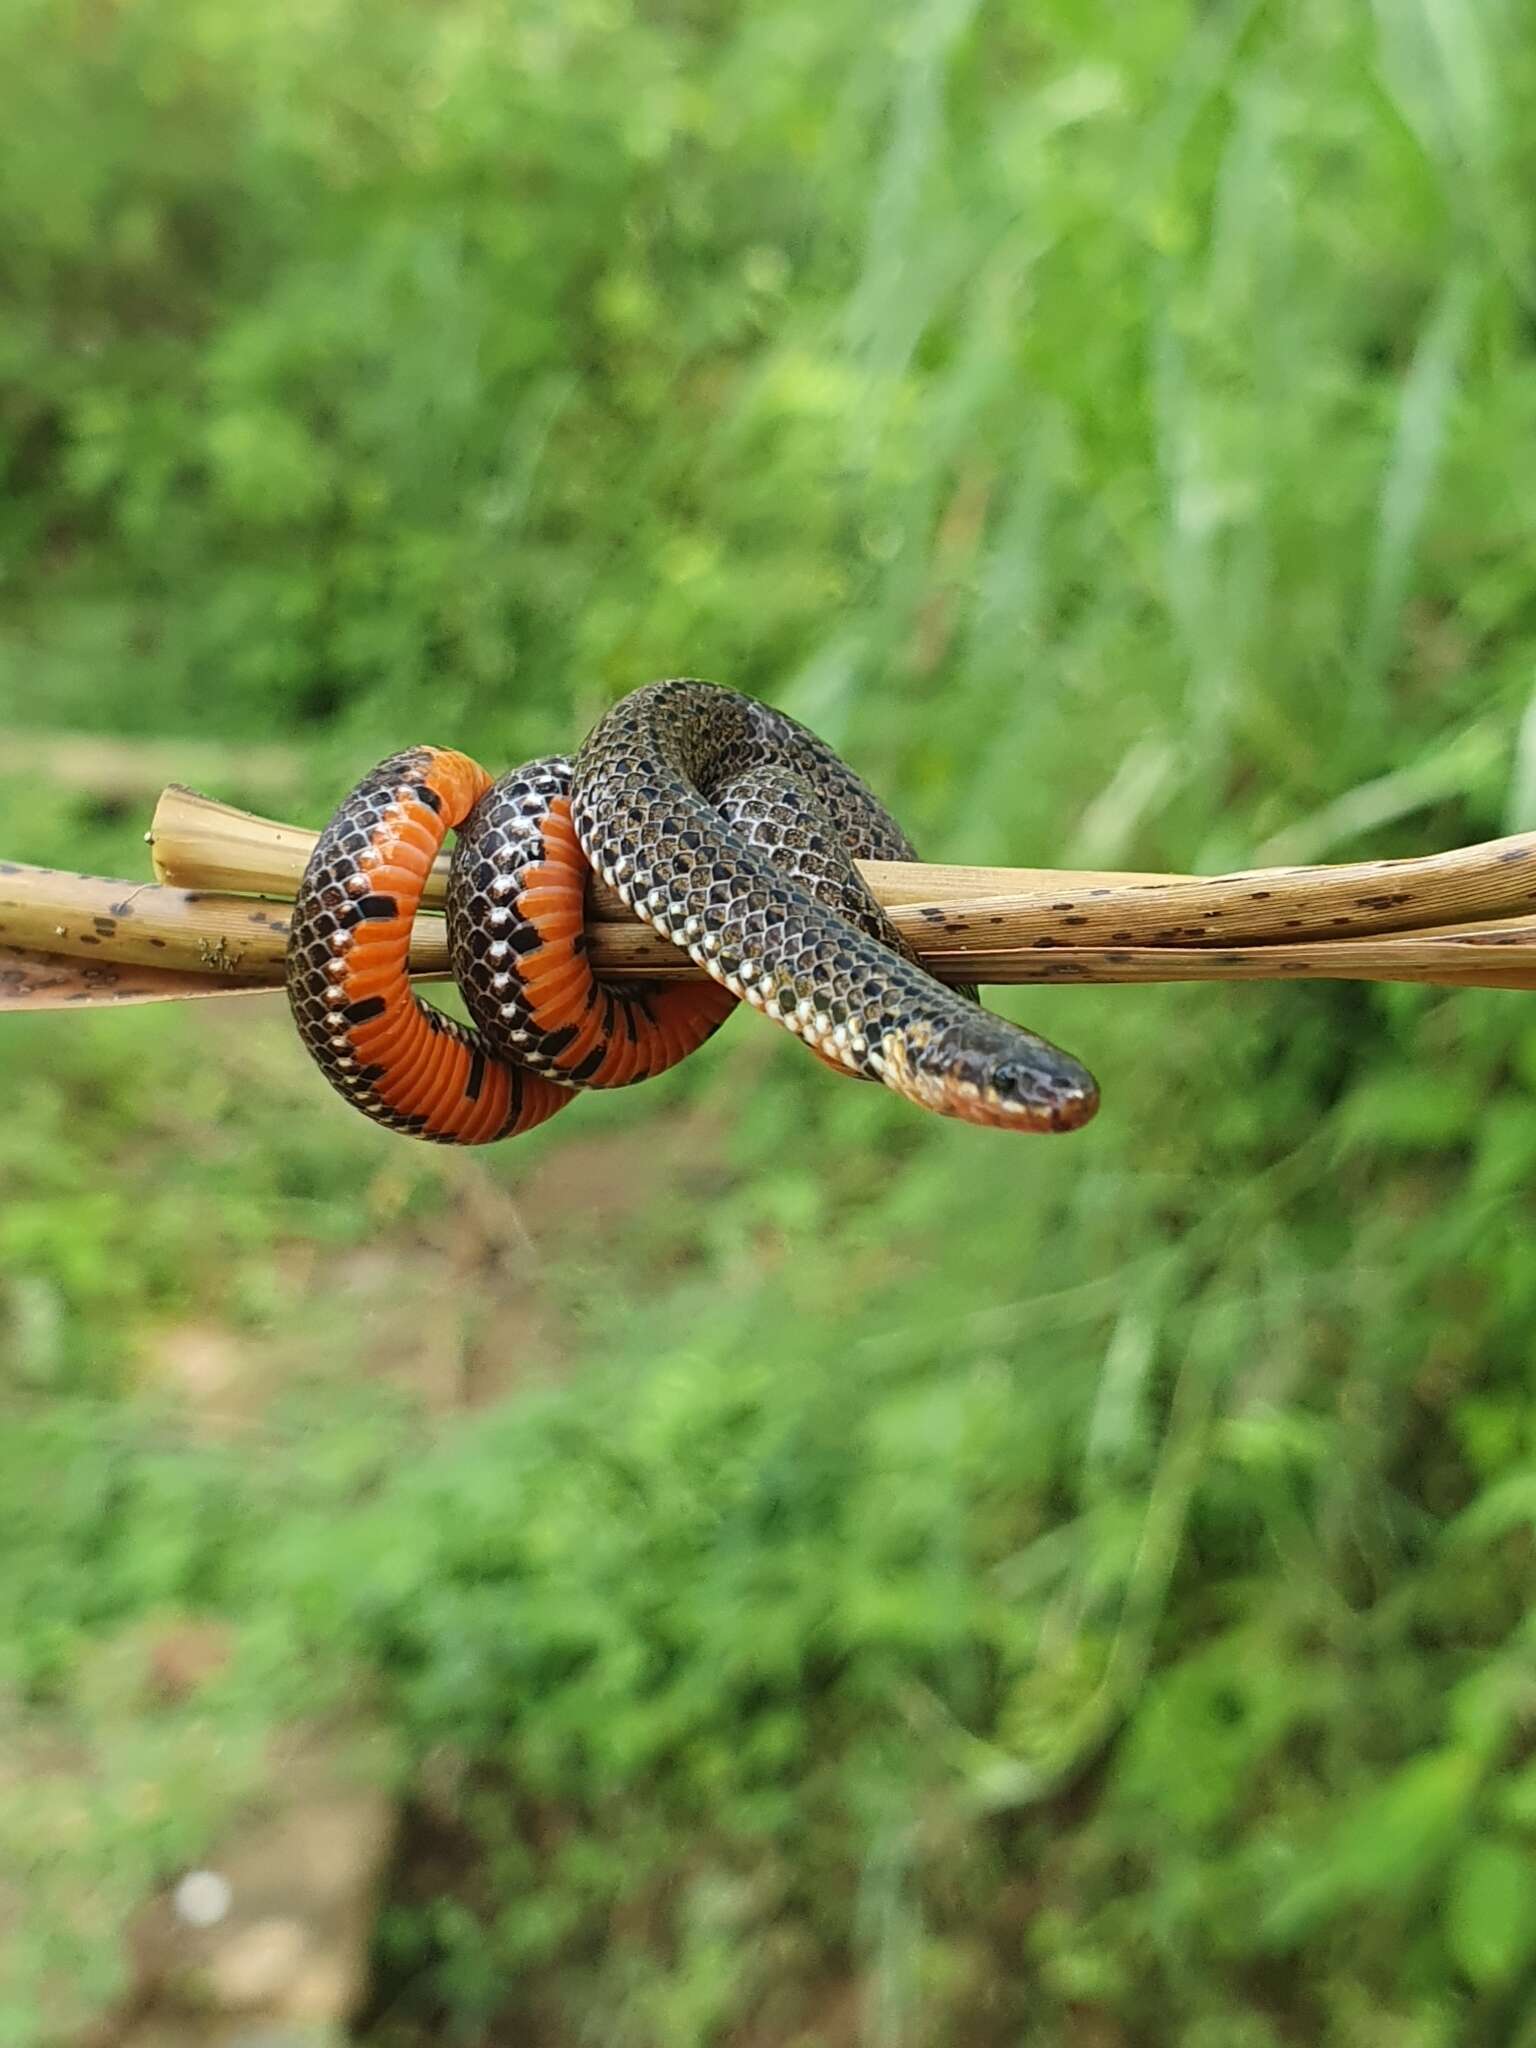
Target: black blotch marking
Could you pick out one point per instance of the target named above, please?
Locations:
(526, 939)
(370, 910)
(429, 797)
(586, 1068)
(360, 1012)
(476, 1079)
(555, 1042)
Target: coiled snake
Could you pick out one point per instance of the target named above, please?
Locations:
(724, 824)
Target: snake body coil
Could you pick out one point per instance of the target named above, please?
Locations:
(722, 823)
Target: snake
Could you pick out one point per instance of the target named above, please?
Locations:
(721, 822)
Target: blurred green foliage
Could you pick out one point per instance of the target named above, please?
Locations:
(912, 1586)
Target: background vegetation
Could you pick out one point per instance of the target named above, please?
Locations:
(825, 1576)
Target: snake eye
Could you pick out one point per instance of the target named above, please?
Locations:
(1054, 1087)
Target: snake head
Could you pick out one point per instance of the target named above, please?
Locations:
(989, 1071)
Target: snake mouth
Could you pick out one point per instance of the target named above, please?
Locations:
(1015, 1082)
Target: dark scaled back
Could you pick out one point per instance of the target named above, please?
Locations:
(767, 899)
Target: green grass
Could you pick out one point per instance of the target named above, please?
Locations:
(825, 1576)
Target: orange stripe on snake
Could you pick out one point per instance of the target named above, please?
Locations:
(544, 1025)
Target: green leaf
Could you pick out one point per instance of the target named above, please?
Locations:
(1490, 1910)
(1382, 1847)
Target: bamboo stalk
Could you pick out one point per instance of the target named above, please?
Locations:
(202, 844)
(1459, 919)
(93, 917)
(62, 981)
(70, 941)
(197, 842)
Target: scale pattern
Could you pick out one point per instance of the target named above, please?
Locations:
(777, 912)
(725, 825)
(518, 948)
(406, 1065)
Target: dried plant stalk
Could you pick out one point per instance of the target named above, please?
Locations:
(202, 844)
(137, 924)
(63, 981)
(196, 842)
(216, 921)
